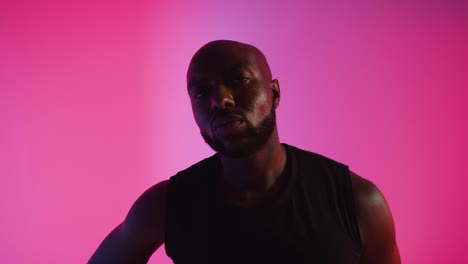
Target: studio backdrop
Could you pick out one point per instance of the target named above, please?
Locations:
(94, 109)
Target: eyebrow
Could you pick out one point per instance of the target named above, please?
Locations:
(193, 81)
(241, 66)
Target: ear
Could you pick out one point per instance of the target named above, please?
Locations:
(274, 85)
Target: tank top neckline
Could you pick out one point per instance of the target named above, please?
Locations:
(288, 176)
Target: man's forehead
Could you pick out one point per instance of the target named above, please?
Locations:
(197, 70)
(224, 56)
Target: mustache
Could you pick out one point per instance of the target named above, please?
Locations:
(226, 114)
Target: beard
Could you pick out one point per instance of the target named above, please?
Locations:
(248, 142)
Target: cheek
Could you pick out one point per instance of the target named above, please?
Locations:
(261, 106)
(201, 118)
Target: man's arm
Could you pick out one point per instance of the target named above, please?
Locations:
(375, 221)
(140, 234)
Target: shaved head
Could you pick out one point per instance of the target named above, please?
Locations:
(215, 51)
(233, 97)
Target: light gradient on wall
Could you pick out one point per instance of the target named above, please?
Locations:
(94, 109)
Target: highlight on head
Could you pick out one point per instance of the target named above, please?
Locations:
(213, 49)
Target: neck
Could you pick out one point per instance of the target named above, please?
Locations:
(256, 173)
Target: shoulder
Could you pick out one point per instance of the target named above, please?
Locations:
(371, 206)
(140, 234)
(146, 219)
(375, 222)
(145, 224)
(317, 163)
(199, 169)
(311, 157)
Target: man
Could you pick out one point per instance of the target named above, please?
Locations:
(256, 200)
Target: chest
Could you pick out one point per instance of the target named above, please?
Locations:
(293, 232)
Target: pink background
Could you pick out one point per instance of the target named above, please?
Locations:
(93, 109)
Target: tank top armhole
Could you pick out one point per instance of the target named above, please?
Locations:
(353, 224)
(169, 228)
(342, 198)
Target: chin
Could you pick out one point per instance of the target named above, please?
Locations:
(239, 150)
(234, 147)
(244, 145)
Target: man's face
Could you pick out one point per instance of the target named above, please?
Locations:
(232, 99)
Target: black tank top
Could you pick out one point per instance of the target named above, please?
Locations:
(312, 221)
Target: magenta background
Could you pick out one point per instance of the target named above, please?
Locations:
(93, 109)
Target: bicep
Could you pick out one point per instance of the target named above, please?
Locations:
(376, 224)
(141, 233)
(116, 248)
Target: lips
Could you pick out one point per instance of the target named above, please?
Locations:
(220, 122)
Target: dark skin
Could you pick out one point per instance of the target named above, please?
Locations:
(240, 80)
(232, 75)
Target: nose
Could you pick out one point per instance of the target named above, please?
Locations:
(222, 98)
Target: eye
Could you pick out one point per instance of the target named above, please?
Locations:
(239, 80)
(199, 93)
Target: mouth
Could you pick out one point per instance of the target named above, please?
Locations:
(228, 121)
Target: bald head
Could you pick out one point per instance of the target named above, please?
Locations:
(221, 53)
(233, 97)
